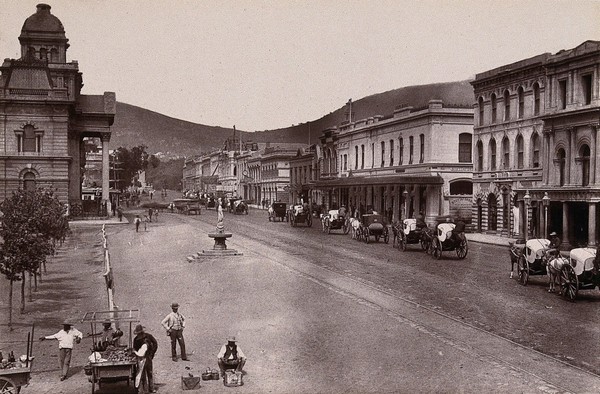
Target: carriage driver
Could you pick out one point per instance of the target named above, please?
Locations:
(554, 247)
(459, 231)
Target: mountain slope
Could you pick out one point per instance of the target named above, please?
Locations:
(177, 138)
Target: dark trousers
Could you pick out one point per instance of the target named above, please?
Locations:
(64, 358)
(177, 336)
(236, 364)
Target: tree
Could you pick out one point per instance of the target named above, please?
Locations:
(32, 223)
(131, 162)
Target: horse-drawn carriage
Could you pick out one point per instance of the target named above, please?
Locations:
(334, 221)
(299, 214)
(411, 234)
(278, 210)
(578, 272)
(446, 238)
(238, 206)
(531, 258)
(372, 225)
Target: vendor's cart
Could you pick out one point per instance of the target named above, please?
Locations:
(115, 363)
(14, 374)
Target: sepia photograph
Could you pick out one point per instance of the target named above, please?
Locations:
(299, 197)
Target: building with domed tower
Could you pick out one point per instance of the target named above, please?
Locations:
(45, 118)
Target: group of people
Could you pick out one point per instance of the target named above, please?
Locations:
(145, 346)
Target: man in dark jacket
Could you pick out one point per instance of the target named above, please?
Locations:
(145, 347)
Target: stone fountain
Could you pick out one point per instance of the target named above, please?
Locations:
(220, 236)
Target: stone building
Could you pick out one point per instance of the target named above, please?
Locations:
(415, 161)
(45, 118)
(543, 114)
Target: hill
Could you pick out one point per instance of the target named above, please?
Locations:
(172, 138)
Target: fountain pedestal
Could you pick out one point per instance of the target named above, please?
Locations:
(220, 247)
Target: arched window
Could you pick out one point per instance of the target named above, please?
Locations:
(535, 150)
(461, 187)
(234, 170)
(505, 153)
(560, 161)
(382, 154)
(520, 152)
(43, 54)
(410, 149)
(481, 108)
(521, 97)
(479, 156)
(492, 154)
(401, 152)
(494, 108)
(464, 147)
(362, 160)
(584, 156)
(422, 152)
(356, 157)
(506, 106)
(29, 181)
(536, 99)
(391, 153)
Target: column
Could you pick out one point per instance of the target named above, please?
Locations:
(596, 143)
(432, 209)
(105, 172)
(592, 224)
(565, 225)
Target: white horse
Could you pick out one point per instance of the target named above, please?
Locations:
(354, 226)
(553, 268)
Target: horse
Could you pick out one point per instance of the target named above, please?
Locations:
(553, 268)
(354, 226)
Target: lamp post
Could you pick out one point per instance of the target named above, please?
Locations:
(546, 203)
(527, 199)
(405, 194)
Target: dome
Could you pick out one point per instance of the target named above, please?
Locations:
(43, 22)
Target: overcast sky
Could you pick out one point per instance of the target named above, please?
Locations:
(268, 64)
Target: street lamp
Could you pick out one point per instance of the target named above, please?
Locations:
(405, 194)
(546, 203)
(527, 199)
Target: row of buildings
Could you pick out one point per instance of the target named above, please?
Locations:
(521, 160)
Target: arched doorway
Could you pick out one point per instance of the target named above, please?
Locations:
(479, 215)
(492, 212)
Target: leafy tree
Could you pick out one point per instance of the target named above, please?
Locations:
(131, 162)
(32, 223)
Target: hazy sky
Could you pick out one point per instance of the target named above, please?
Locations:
(268, 64)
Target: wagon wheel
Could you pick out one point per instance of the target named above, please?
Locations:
(569, 284)
(523, 268)
(425, 245)
(7, 386)
(386, 236)
(403, 243)
(437, 249)
(462, 249)
(309, 221)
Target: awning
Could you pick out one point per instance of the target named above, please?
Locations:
(380, 181)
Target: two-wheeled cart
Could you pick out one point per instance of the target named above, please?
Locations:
(17, 373)
(116, 363)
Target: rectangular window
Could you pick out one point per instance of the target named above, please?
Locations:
(356, 157)
(562, 94)
(401, 151)
(464, 148)
(422, 153)
(391, 153)
(382, 154)
(29, 140)
(372, 155)
(586, 87)
(410, 150)
(362, 160)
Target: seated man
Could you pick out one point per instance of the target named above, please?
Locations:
(459, 231)
(342, 212)
(421, 223)
(554, 247)
(231, 356)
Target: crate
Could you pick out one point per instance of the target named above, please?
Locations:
(190, 382)
(233, 378)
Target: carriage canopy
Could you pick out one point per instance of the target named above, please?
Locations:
(582, 259)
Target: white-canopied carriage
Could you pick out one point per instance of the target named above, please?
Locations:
(445, 239)
(532, 259)
(332, 220)
(299, 214)
(410, 233)
(579, 273)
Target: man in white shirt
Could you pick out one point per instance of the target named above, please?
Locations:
(66, 337)
(174, 323)
(231, 356)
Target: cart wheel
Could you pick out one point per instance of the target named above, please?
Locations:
(462, 249)
(403, 243)
(437, 249)
(569, 284)
(7, 386)
(523, 267)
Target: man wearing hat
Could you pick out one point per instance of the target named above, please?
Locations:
(174, 323)
(144, 347)
(554, 247)
(66, 337)
(231, 356)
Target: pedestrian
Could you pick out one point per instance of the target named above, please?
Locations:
(144, 347)
(120, 214)
(137, 222)
(66, 338)
(156, 214)
(174, 323)
(146, 221)
(231, 356)
(150, 212)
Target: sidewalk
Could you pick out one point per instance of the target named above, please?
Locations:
(489, 239)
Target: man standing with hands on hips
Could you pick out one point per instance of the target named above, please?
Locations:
(174, 323)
